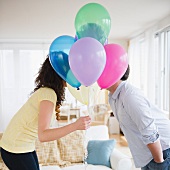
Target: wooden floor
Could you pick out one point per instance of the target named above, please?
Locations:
(121, 143)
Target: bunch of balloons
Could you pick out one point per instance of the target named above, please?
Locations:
(87, 57)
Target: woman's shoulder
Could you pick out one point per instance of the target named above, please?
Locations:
(46, 93)
(43, 91)
(46, 89)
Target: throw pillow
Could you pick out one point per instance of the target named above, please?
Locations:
(49, 154)
(72, 147)
(3, 166)
(99, 152)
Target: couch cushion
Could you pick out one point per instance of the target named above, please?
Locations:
(2, 165)
(72, 147)
(97, 133)
(48, 154)
(50, 168)
(87, 167)
(99, 152)
(76, 167)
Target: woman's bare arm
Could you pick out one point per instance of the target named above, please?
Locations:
(46, 134)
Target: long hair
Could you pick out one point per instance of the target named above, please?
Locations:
(47, 77)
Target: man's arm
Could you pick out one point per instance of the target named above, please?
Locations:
(156, 151)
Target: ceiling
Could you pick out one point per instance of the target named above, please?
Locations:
(48, 19)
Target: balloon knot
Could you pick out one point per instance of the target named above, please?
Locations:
(78, 88)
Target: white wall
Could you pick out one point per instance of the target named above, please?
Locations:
(123, 43)
(163, 23)
(20, 19)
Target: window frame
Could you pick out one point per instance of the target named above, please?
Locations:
(162, 90)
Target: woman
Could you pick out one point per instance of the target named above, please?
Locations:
(33, 120)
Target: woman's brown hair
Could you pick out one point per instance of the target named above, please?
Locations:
(47, 77)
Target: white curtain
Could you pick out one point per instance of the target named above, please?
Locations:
(19, 64)
(148, 58)
(142, 63)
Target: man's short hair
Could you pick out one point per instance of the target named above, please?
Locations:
(126, 75)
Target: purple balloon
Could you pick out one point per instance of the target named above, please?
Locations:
(76, 38)
(87, 59)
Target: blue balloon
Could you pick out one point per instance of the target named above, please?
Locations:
(58, 55)
(62, 43)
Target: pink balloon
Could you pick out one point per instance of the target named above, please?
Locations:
(87, 59)
(116, 65)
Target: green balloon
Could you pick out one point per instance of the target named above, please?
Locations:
(93, 20)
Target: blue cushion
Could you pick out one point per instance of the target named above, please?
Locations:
(99, 152)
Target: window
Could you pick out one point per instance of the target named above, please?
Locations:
(162, 62)
(149, 58)
(19, 64)
(138, 63)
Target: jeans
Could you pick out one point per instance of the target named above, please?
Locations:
(21, 161)
(165, 165)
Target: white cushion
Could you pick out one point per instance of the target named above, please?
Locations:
(120, 161)
(76, 167)
(97, 133)
(50, 167)
(88, 167)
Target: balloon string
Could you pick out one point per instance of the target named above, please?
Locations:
(92, 99)
(92, 103)
(85, 137)
(85, 150)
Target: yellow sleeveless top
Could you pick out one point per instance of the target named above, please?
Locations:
(22, 131)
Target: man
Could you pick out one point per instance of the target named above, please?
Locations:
(146, 127)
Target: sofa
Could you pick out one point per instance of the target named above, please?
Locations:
(81, 150)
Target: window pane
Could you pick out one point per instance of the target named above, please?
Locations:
(29, 63)
(143, 67)
(162, 62)
(7, 70)
(168, 71)
(157, 99)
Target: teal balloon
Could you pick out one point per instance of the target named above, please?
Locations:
(58, 56)
(92, 30)
(93, 20)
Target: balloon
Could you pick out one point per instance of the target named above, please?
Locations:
(59, 62)
(116, 65)
(81, 95)
(93, 20)
(62, 43)
(85, 94)
(58, 56)
(87, 59)
(106, 42)
(76, 38)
